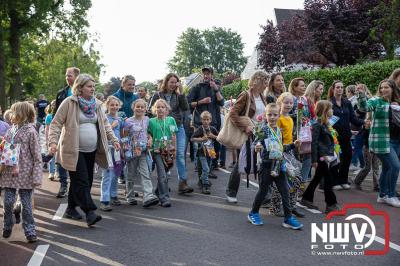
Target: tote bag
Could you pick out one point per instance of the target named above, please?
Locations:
(232, 137)
(305, 136)
(11, 150)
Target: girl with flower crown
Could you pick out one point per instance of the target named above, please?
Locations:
(79, 134)
(324, 156)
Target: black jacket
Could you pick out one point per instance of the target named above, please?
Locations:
(61, 96)
(322, 142)
(347, 116)
(178, 105)
(199, 92)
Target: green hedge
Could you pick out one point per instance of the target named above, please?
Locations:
(369, 73)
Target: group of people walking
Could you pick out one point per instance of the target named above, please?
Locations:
(128, 135)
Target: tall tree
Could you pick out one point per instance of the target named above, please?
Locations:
(35, 17)
(190, 52)
(219, 48)
(270, 48)
(341, 29)
(386, 25)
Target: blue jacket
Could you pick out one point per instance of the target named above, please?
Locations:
(127, 98)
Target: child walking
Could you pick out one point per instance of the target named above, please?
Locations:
(109, 181)
(47, 121)
(272, 168)
(137, 142)
(26, 174)
(324, 155)
(163, 128)
(286, 125)
(205, 136)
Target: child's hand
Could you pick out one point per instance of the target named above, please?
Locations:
(212, 136)
(297, 143)
(114, 124)
(204, 138)
(258, 147)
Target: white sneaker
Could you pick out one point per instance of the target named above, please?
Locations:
(346, 186)
(231, 199)
(381, 200)
(393, 201)
(337, 187)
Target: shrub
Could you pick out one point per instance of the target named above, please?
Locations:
(368, 73)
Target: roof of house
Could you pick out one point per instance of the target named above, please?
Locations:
(282, 15)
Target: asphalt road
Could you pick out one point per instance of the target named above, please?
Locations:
(197, 230)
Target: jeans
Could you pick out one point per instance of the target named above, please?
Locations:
(52, 166)
(81, 182)
(323, 171)
(265, 181)
(180, 153)
(63, 175)
(109, 185)
(234, 182)
(162, 180)
(358, 156)
(205, 169)
(28, 222)
(138, 166)
(306, 167)
(390, 170)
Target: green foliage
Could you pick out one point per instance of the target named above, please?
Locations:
(234, 89)
(43, 66)
(369, 73)
(220, 48)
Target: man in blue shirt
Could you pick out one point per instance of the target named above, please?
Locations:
(126, 95)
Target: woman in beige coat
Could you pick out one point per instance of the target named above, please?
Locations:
(79, 133)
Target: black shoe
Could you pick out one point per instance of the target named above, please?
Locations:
(132, 201)
(62, 192)
(7, 233)
(358, 187)
(150, 202)
(31, 238)
(72, 214)
(298, 213)
(213, 176)
(308, 204)
(92, 218)
(332, 208)
(166, 204)
(206, 190)
(17, 213)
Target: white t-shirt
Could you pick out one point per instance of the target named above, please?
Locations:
(260, 107)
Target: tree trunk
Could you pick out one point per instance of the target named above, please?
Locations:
(15, 46)
(3, 100)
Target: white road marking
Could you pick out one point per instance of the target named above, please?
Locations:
(60, 211)
(307, 209)
(224, 170)
(251, 183)
(38, 255)
(382, 241)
